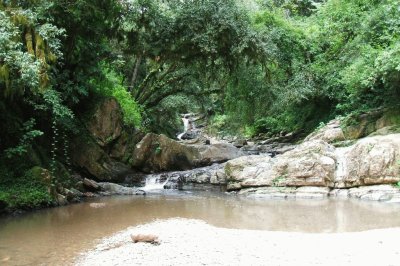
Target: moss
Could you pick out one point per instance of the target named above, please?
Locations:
(29, 41)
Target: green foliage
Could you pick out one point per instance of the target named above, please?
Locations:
(157, 148)
(112, 86)
(265, 66)
(339, 57)
(28, 135)
(131, 110)
(25, 192)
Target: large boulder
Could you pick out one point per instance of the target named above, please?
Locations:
(310, 164)
(330, 133)
(105, 122)
(371, 161)
(90, 158)
(124, 146)
(156, 153)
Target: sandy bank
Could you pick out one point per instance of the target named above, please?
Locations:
(193, 242)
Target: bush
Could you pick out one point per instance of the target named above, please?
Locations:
(111, 85)
(25, 192)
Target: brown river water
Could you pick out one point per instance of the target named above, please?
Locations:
(57, 236)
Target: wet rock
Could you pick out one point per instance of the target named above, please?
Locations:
(239, 143)
(269, 192)
(233, 186)
(61, 199)
(287, 192)
(376, 193)
(339, 193)
(89, 195)
(91, 184)
(157, 153)
(71, 195)
(76, 192)
(115, 189)
(312, 192)
(205, 175)
(188, 135)
(105, 122)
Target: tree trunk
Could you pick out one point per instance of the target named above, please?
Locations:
(135, 72)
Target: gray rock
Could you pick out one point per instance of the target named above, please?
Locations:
(105, 123)
(91, 184)
(218, 178)
(312, 192)
(269, 192)
(158, 153)
(239, 143)
(76, 192)
(371, 161)
(310, 164)
(61, 199)
(332, 132)
(115, 189)
(286, 192)
(375, 193)
(339, 193)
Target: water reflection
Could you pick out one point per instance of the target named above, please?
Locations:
(56, 236)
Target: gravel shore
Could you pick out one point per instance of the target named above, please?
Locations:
(193, 242)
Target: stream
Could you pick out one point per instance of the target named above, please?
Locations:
(57, 236)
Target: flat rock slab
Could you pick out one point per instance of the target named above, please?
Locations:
(287, 192)
(193, 242)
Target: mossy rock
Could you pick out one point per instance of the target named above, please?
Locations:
(358, 126)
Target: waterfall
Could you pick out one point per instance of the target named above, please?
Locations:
(341, 163)
(187, 125)
(154, 182)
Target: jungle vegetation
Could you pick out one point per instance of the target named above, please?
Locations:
(253, 66)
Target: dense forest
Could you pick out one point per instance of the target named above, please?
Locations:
(252, 66)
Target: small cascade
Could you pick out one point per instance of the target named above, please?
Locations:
(188, 125)
(155, 182)
(341, 163)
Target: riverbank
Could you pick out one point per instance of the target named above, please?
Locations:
(194, 242)
(57, 236)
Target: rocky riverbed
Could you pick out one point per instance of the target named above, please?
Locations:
(194, 242)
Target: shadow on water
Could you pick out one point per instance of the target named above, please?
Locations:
(56, 236)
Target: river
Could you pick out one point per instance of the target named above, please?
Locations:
(57, 236)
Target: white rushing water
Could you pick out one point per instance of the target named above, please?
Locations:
(187, 125)
(153, 182)
(341, 163)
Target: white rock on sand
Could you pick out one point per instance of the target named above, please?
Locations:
(193, 242)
